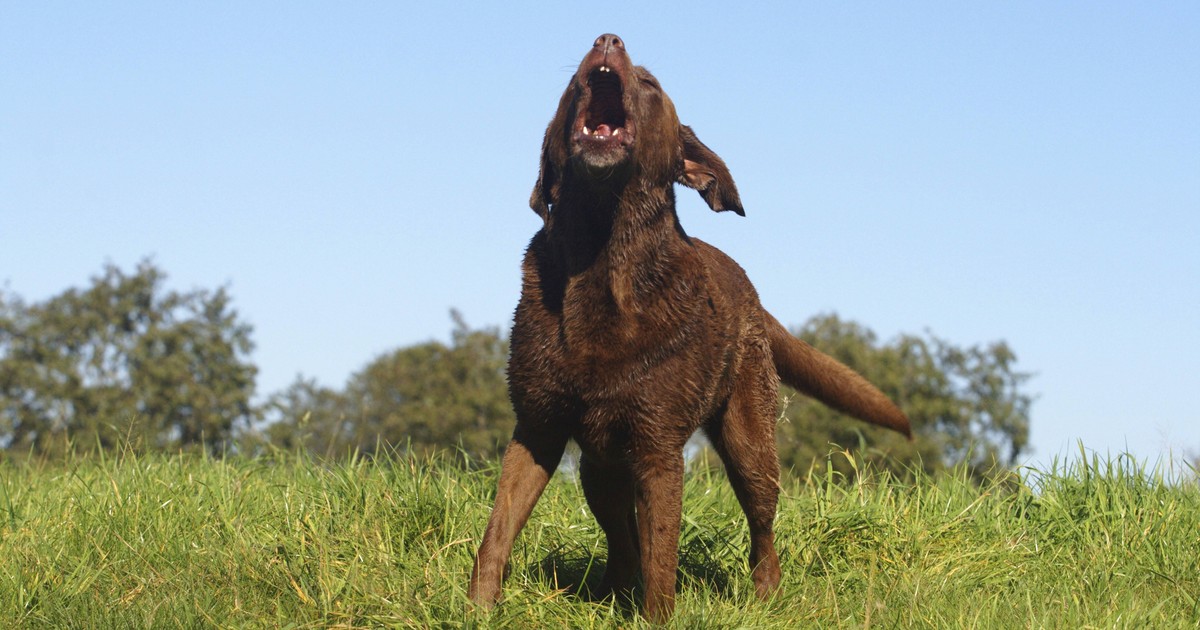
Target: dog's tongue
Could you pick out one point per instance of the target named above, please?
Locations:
(603, 130)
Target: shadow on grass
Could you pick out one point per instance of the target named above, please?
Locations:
(579, 573)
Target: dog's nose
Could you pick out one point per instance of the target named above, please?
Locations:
(607, 42)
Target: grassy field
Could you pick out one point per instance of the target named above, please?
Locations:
(284, 542)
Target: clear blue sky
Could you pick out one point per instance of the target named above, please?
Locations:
(1025, 171)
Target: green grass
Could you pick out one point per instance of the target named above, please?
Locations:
(183, 541)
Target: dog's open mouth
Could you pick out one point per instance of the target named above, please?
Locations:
(604, 122)
(606, 111)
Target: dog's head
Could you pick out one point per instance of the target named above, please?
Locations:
(614, 123)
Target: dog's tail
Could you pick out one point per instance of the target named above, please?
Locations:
(819, 375)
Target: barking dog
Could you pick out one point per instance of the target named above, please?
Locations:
(630, 335)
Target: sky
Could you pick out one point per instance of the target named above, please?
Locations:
(1018, 171)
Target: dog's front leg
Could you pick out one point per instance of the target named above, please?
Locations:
(528, 463)
(659, 510)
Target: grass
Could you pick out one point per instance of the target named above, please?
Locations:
(185, 541)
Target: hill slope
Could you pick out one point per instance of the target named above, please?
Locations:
(167, 541)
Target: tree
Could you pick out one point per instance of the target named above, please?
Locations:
(414, 399)
(309, 416)
(123, 363)
(966, 405)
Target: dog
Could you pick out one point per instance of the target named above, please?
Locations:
(631, 335)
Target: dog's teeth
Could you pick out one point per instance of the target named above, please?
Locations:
(617, 131)
(585, 131)
(604, 69)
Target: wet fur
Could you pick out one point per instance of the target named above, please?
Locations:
(630, 335)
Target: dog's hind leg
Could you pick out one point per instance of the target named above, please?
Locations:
(610, 495)
(529, 461)
(744, 437)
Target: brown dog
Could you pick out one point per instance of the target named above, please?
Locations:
(630, 336)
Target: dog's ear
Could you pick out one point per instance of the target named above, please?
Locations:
(545, 191)
(554, 159)
(706, 172)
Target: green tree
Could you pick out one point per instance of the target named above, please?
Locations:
(417, 398)
(966, 405)
(308, 416)
(123, 363)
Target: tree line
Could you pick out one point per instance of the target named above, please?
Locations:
(126, 363)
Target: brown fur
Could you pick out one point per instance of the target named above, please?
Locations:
(630, 336)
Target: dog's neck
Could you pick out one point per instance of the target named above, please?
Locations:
(619, 238)
(593, 224)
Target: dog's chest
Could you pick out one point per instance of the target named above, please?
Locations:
(619, 322)
(656, 347)
(659, 348)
